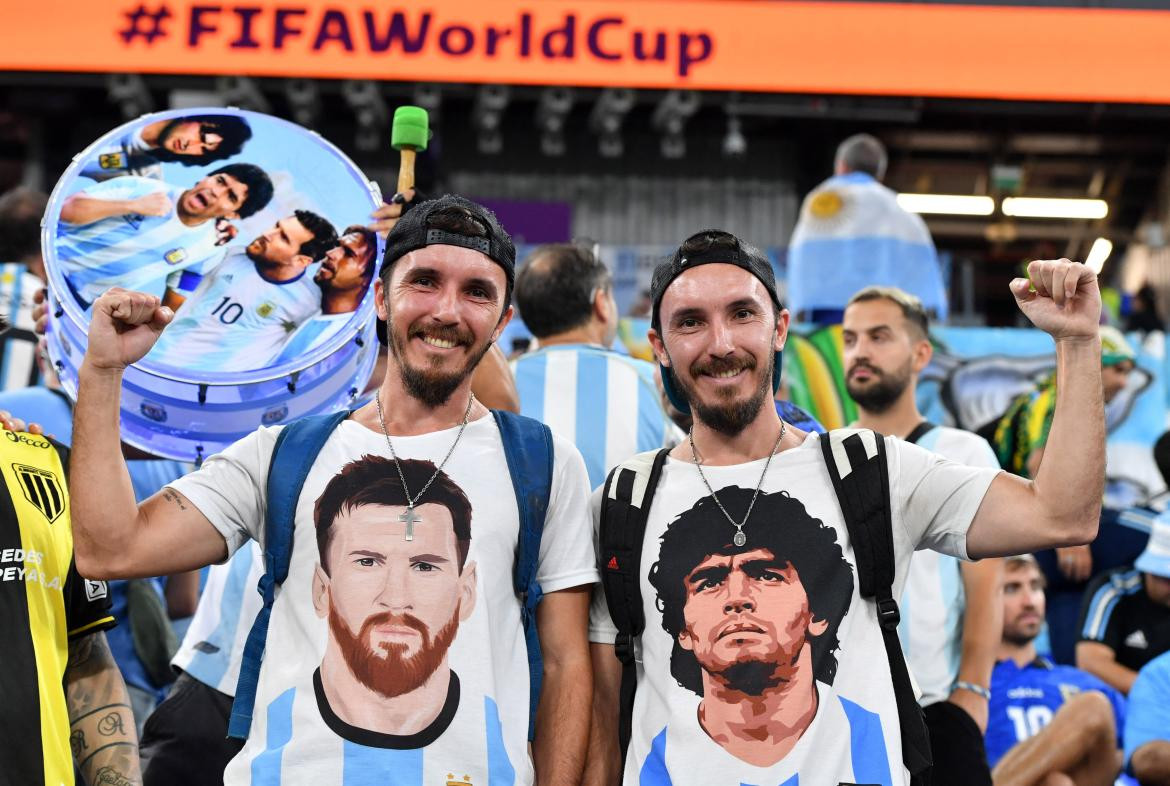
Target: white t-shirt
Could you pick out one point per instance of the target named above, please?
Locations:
(791, 604)
(934, 602)
(487, 653)
(235, 320)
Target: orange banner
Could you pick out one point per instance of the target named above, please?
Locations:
(1081, 54)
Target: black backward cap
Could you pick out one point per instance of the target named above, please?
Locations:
(412, 233)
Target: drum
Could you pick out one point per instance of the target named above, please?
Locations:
(253, 230)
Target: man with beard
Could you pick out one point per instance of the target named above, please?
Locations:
(950, 611)
(717, 329)
(144, 234)
(753, 641)
(343, 278)
(444, 290)
(393, 605)
(194, 140)
(1049, 724)
(242, 313)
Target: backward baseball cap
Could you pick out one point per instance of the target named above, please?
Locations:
(720, 248)
(414, 231)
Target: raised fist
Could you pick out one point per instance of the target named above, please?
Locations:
(1061, 298)
(123, 326)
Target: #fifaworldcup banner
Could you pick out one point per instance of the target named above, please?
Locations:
(974, 375)
(862, 48)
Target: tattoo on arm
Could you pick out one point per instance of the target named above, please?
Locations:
(174, 497)
(103, 736)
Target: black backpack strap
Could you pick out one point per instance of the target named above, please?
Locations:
(626, 499)
(856, 460)
(920, 431)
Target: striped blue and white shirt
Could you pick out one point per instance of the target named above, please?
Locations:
(131, 250)
(18, 347)
(933, 602)
(236, 320)
(603, 402)
(312, 334)
(213, 648)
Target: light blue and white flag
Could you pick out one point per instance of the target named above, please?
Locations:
(853, 234)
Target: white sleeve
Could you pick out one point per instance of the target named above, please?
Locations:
(230, 489)
(601, 627)
(567, 558)
(935, 498)
(126, 187)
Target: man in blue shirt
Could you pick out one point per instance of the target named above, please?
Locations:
(1045, 720)
(604, 402)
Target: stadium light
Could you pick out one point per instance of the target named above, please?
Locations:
(1032, 207)
(1098, 254)
(947, 204)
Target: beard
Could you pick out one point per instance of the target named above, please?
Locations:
(881, 393)
(727, 415)
(429, 385)
(751, 677)
(387, 670)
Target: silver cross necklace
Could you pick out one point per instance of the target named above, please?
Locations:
(409, 516)
(739, 538)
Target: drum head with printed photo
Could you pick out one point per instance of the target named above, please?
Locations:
(253, 230)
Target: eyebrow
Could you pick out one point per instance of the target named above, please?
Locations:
(435, 558)
(703, 574)
(484, 283)
(366, 553)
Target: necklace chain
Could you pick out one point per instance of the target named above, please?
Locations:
(410, 503)
(740, 538)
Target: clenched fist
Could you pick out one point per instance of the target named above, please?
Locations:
(123, 326)
(1062, 298)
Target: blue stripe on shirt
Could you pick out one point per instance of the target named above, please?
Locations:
(867, 745)
(500, 770)
(592, 413)
(210, 668)
(266, 766)
(362, 765)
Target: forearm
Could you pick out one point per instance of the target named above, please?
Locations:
(102, 731)
(80, 209)
(1070, 482)
(1112, 673)
(104, 510)
(604, 759)
(562, 729)
(982, 620)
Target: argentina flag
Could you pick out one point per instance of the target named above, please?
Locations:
(852, 234)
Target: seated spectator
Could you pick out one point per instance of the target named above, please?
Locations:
(1147, 725)
(22, 274)
(1125, 618)
(1047, 724)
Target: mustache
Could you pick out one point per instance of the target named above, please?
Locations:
(445, 333)
(868, 367)
(721, 365)
(390, 618)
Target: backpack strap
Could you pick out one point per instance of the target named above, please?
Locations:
(920, 431)
(856, 460)
(625, 505)
(296, 449)
(528, 448)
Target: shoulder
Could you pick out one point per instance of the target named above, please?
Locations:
(963, 446)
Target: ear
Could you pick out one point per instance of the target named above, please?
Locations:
(601, 305)
(686, 640)
(505, 318)
(923, 352)
(781, 337)
(658, 346)
(817, 627)
(302, 260)
(380, 299)
(320, 591)
(467, 591)
(233, 216)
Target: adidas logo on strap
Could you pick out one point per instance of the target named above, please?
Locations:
(1137, 640)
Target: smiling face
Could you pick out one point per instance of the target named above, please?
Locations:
(882, 353)
(215, 196)
(747, 619)
(1023, 603)
(190, 138)
(344, 266)
(719, 333)
(442, 305)
(393, 605)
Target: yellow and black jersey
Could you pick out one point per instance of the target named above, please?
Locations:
(44, 604)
